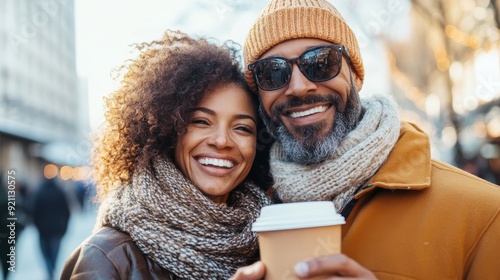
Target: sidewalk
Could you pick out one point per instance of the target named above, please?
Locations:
(29, 261)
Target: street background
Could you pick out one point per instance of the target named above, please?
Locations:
(29, 259)
(439, 59)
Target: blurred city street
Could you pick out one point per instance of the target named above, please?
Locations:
(30, 264)
(59, 59)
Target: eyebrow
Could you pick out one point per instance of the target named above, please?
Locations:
(305, 50)
(213, 113)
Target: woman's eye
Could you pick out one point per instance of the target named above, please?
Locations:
(199, 121)
(245, 129)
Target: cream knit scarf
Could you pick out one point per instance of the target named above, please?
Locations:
(178, 227)
(359, 156)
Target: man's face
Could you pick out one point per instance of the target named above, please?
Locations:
(308, 118)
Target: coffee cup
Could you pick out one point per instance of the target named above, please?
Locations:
(291, 232)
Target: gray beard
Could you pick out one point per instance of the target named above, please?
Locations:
(311, 148)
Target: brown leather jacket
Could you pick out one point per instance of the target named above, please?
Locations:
(111, 254)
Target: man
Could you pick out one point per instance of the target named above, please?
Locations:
(51, 215)
(407, 216)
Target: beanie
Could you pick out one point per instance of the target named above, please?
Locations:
(283, 20)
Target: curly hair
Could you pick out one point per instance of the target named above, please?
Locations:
(148, 113)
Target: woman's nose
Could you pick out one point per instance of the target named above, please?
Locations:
(220, 138)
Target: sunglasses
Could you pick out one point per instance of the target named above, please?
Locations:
(318, 64)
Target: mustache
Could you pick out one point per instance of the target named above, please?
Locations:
(335, 99)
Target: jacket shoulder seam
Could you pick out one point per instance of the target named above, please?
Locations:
(494, 217)
(105, 254)
(450, 168)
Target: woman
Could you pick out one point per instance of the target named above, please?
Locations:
(171, 166)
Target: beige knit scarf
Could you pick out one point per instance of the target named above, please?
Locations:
(178, 227)
(359, 156)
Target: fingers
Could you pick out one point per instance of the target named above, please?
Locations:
(332, 265)
(252, 272)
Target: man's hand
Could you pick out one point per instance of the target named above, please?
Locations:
(252, 272)
(337, 266)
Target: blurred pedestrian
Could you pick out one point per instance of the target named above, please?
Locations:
(51, 214)
(81, 192)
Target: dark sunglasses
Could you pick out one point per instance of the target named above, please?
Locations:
(318, 64)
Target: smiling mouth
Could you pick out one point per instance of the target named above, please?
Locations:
(312, 111)
(222, 163)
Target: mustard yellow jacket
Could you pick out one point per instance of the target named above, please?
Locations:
(419, 218)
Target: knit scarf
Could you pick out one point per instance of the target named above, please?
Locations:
(182, 230)
(359, 156)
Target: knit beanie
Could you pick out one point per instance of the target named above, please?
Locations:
(283, 20)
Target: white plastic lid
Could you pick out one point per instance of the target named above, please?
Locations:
(297, 215)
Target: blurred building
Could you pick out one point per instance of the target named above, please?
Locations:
(42, 102)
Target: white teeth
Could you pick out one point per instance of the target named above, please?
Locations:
(314, 110)
(216, 162)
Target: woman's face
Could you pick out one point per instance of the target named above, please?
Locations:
(218, 149)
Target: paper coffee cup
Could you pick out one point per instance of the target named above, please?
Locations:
(291, 232)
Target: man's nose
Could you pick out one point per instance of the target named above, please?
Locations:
(299, 85)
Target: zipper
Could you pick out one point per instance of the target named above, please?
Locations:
(346, 210)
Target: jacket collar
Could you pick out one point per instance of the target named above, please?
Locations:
(408, 166)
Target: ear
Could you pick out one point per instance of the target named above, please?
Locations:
(357, 81)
